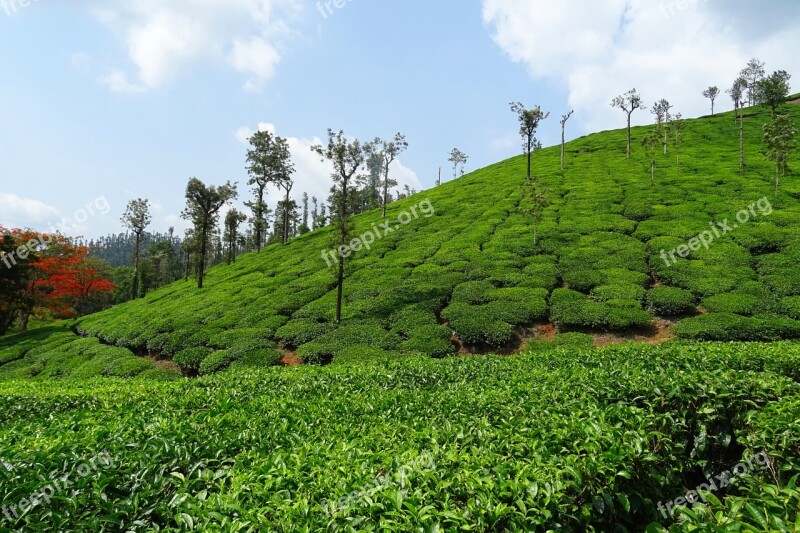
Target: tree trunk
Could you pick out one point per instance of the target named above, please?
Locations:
(386, 187)
(135, 287)
(562, 145)
(343, 241)
(24, 316)
(629, 135)
(286, 217)
(203, 249)
(259, 217)
(530, 140)
(741, 141)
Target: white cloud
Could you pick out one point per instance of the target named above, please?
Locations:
(164, 37)
(601, 49)
(25, 212)
(312, 175)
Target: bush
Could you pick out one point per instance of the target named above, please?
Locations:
(217, 362)
(791, 306)
(543, 276)
(618, 292)
(730, 327)
(572, 309)
(189, 360)
(432, 340)
(583, 280)
(128, 367)
(300, 331)
(158, 374)
(732, 303)
(260, 358)
(670, 301)
(477, 325)
(363, 354)
(411, 318)
(473, 292)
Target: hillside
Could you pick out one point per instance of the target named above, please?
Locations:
(601, 265)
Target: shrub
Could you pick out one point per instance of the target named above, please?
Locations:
(732, 303)
(260, 358)
(411, 318)
(670, 301)
(573, 309)
(583, 280)
(791, 306)
(128, 367)
(190, 359)
(730, 327)
(363, 354)
(300, 331)
(158, 374)
(618, 292)
(217, 362)
(477, 324)
(543, 276)
(241, 338)
(434, 341)
(473, 292)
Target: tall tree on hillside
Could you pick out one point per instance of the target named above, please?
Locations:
(564, 119)
(737, 95)
(387, 151)
(651, 144)
(752, 73)
(664, 106)
(314, 212)
(535, 200)
(233, 220)
(774, 90)
(712, 93)
(628, 102)
(677, 126)
(268, 161)
(529, 120)
(457, 157)
(780, 138)
(347, 158)
(202, 209)
(136, 218)
(304, 228)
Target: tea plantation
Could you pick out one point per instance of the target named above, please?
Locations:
(383, 430)
(472, 267)
(562, 440)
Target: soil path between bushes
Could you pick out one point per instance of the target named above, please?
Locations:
(291, 359)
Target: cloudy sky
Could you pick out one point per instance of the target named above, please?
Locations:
(102, 101)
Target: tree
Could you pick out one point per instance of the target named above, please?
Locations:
(661, 111)
(651, 144)
(712, 93)
(628, 102)
(233, 220)
(347, 158)
(780, 138)
(677, 126)
(314, 213)
(752, 74)
(528, 124)
(136, 218)
(304, 228)
(737, 94)
(564, 119)
(202, 209)
(269, 161)
(387, 151)
(774, 90)
(535, 199)
(457, 157)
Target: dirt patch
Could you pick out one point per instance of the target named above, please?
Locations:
(291, 359)
(161, 363)
(659, 332)
(795, 102)
(545, 332)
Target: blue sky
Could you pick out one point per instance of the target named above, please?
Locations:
(121, 99)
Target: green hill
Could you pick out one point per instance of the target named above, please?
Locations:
(684, 436)
(472, 268)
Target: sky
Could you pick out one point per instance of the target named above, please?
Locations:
(103, 101)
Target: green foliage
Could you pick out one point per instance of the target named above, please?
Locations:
(722, 326)
(571, 309)
(189, 360)
(670, 301)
